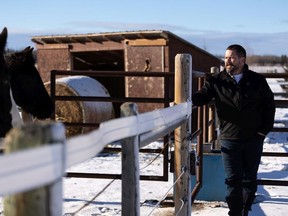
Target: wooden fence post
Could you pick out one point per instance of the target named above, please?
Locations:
(215, 130)
(130, 168)
(46, 200)
(183, 90)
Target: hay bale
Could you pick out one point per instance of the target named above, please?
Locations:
(81, 111)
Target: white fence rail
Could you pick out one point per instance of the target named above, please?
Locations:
(32, 168)
(25, 170)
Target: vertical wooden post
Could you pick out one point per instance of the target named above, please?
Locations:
(130, 168)
(44, 201)
(215, 129)
(199, 148)
(183, 88)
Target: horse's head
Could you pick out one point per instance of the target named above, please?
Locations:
(5, 100)
(21, 59)
(27, 86)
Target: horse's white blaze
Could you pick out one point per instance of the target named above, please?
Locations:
(16, 118)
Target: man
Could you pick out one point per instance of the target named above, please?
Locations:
(245, 108)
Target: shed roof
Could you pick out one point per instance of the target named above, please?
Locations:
(110, 36)
(101, 37)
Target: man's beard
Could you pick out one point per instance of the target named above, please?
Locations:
(230, 68)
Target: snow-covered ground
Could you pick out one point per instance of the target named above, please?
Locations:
(267, 69)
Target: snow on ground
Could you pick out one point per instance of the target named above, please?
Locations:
(267, 69)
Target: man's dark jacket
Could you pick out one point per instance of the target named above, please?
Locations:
(243, 109)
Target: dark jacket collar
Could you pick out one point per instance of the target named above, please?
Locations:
(245, 68)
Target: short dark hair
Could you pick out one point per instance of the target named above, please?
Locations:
(239, 50)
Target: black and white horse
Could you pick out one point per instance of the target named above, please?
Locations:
(21, 84)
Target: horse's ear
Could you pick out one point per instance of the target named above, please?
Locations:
(4, 33)
(3, 39)
(31, 50)
(28, 50)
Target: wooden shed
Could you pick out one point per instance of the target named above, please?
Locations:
(152, 51)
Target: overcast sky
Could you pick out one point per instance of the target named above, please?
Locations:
(261, 26)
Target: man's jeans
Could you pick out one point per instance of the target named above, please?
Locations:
(241, 160)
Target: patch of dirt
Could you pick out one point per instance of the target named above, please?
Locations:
(169, 210)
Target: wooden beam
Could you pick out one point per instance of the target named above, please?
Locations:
(53, 46)
(146, 42)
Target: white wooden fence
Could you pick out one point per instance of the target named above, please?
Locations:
(33, 168)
